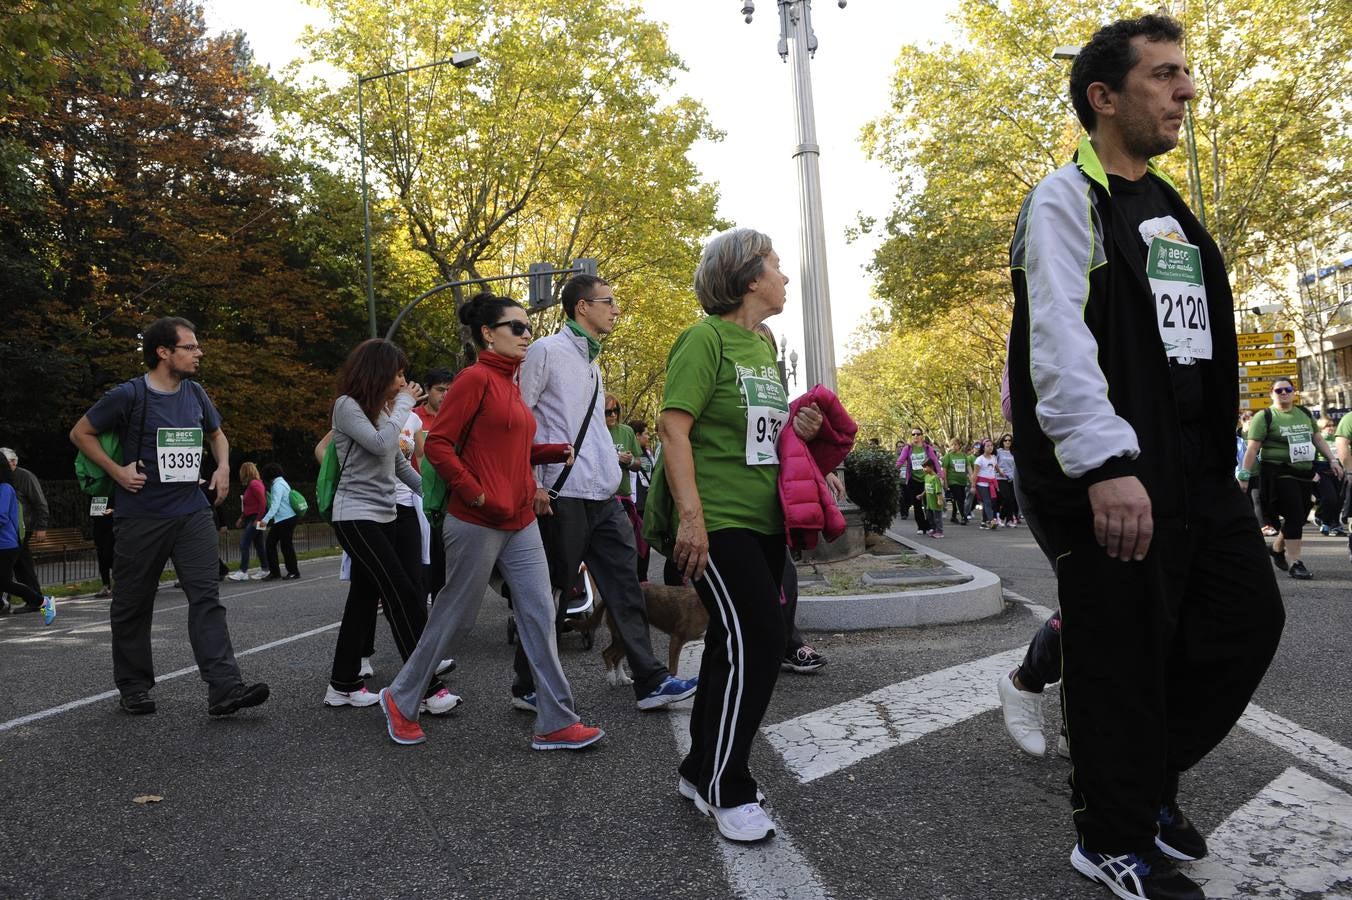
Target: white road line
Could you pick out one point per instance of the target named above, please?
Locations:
(819, 743)
(38, 637)
(178, 673)
(774, 870)
(1313, 749)
(1037, 609)
(1293, 840)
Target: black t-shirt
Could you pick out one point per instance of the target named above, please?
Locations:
(1145, 209)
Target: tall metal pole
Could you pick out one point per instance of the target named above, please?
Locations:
(819, 341)
(365, 210)
(797, 44)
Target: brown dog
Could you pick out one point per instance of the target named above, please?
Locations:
(677, 611)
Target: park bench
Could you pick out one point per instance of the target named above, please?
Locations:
(58, 542)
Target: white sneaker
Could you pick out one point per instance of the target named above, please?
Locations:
(363, 697)
(1023, 716)
(238, 576)
(258, 575)
(746, 823)
(446, 665)
(365, 671)
(440, 703)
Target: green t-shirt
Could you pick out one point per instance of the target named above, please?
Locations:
(725, 376)
(957, 467)
(1289, 441)
(624, 439)
(934, 492)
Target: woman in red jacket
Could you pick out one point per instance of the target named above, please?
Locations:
(251, 509)
(482, 445)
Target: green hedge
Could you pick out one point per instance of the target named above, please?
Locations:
(872, 482)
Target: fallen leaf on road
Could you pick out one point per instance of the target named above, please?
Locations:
(147, 798)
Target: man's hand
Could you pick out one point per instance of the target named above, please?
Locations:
(1122, 522)
(39, 535)
(834, 485)
(130, 477)
(692, 547)
(808, 422)
(220, 484)
(572, 457)
(626, 458)
(542, 507)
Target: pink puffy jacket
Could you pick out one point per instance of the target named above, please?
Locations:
(808, 505)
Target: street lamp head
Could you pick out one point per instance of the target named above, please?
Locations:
(465, 58)
(841, 3)
(793, 358)
(748, 10)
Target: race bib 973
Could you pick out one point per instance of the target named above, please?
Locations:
(767, 412)
(1175, 271)
(178, 451)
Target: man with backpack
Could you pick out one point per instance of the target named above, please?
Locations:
(163, 420)
(1286, 434)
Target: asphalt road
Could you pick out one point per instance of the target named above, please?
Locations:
(297, 799)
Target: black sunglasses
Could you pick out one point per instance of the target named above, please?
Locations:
(518, 327)
(612, 410)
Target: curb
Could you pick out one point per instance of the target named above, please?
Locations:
(979, 598)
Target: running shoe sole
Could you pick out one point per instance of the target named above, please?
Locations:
(662, 700)
(537, 744)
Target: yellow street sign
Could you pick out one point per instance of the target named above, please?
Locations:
(1258, 402)
(1259, 354)
(1271, 370)
(1259, 338)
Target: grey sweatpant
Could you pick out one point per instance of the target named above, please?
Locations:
(471, 552)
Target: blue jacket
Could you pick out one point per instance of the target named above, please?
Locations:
(279, 502)
(9, 517)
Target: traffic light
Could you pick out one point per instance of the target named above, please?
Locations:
(540, 291)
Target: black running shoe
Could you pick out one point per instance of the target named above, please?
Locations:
(1178, 837)
(1299, 571)
(137, 704)
(1278, 558)
(241, 696)
(1136, 876)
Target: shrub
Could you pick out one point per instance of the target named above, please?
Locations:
(872, 482)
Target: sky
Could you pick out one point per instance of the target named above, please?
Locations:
(735, 71)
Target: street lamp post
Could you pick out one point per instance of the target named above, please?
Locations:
(461, 60)
(797, 44)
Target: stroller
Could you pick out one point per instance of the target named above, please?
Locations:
(576, 607)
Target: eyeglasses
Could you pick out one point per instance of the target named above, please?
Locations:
(518, 327)
(191, 348)
(1285, 390)
(608, 301)
(612, 410)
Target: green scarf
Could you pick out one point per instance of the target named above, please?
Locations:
(593, 345)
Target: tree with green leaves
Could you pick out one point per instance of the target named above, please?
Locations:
(557, 145)
(976, 123)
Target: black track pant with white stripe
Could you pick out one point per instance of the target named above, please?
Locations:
(743, 648)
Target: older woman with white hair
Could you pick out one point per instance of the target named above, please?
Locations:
(721, 417)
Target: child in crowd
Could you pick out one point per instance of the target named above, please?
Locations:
(934, 500)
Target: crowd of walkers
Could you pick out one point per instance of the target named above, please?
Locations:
(521, 471)
(958, 479)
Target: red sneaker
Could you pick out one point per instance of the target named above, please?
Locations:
(574, 737)
(402, 731)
